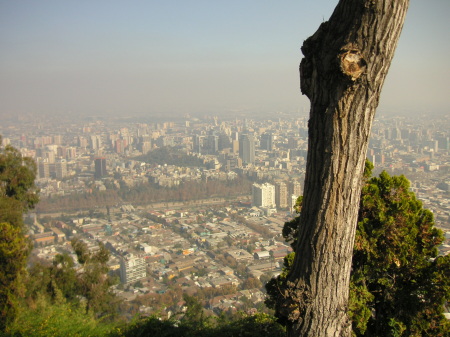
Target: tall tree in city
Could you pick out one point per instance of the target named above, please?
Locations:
(342, 73)
(18, 193)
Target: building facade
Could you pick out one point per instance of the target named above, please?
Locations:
(132, 269)
(100, 168)
(263, 195)
(247, 149)
(281, 195)
(267, 141)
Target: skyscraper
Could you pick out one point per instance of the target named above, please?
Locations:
(247, 149)
(213, 143)
(100, 167)
(267, 141)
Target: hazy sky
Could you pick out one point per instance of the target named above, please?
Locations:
(141, 57)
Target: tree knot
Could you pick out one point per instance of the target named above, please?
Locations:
(294, 299)
(352, 62)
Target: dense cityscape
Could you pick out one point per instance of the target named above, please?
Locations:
(135, 187)
(217, 169)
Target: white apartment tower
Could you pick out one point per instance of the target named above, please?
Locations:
(263, 195)
(132, 269)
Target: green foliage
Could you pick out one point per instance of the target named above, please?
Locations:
(398, 286)
(90, 284)
(194, 316)
(53, 281)
(58, 318)
(81, 250)
(93, 283)
(17, 194)
(17, 176)
(395, 246)
(259, 325)
(14, 251)
(290, 228)
(11, 212)
(275, 287)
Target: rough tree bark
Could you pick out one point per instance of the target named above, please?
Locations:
(344, 66)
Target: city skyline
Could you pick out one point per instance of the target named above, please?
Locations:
(144, 58)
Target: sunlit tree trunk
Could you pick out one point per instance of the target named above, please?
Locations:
(342, 73)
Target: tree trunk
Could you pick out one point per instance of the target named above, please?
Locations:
(344, 66)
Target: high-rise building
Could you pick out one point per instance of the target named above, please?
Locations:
(294, 191)
(263, 195)
(82, 142)
(235, 146)
(213, 144)
(415, 136)
(43, 169)
(443, 142)
(198, 143)
(295, 188)
(164, 141)
(224, 142)
(61, 169)
(266, 141)
(294, 143)
(95, 142)
(132, 269)
(49, 155)
(396, 134)
(61, 151)
(119, 146)
(281, 195)
(247, 149)
(46, 140)
(71, 152)
(405, 133)
(232, 162)
(146, 147)
(292, 202)
(100, 168)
